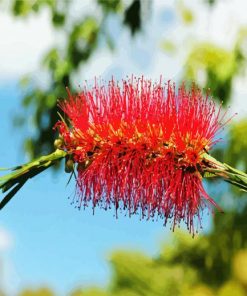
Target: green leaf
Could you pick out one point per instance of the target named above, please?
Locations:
(15, 180)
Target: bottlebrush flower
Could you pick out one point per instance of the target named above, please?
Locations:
(142, 147)
(139, 146)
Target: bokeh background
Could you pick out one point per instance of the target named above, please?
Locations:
(47, 247)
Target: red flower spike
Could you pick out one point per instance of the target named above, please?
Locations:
(140, 147)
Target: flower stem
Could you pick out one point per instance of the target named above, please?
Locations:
(215, 168)
(13, 182)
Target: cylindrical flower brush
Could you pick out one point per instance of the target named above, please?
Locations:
(140, 146)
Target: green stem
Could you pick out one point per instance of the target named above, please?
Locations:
(14, 181)
(215, 168)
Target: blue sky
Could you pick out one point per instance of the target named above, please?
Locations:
(50, 242)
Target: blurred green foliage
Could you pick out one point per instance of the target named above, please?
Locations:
(89, 292)
(168, 47)
(236, 150)
(37, 292)
(132, 16)
(213, 264)
(185, 13)
(22, 8)
(212, 67)
(211, 2)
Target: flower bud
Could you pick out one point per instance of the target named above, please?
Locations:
(58, 143)
(69, 166)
